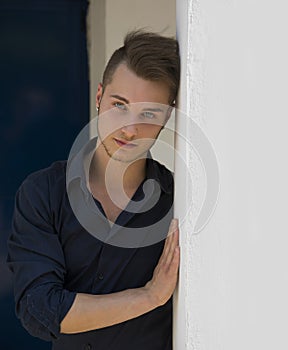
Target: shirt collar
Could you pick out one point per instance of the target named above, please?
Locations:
(159, 173)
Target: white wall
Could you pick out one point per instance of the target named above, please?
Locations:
(125, 15)
(96, 46)
(234, 282)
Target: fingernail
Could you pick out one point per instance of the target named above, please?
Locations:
(173, 224)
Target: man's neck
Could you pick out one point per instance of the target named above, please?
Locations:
(106, 171)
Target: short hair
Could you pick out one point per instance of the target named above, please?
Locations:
(151, 57)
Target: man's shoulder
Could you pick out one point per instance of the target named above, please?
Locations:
(163, 170)
(43, 188)
(51, 175)
(162, 174)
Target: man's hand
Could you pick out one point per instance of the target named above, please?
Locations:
(90, 312)
(165, 276)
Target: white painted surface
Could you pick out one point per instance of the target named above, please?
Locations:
(125, 15)
(96, 45)
(234, 281)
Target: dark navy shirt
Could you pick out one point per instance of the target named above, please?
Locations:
(53, 257)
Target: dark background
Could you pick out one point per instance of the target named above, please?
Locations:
(44, 103)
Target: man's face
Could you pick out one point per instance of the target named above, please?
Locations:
(132, 112)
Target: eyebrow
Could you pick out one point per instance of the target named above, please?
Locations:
(153, 110)
(120, 98)
(145, 109)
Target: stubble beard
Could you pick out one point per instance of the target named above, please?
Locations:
(122, 159)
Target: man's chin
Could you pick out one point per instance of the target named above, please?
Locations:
(127, 159)
(125, 156)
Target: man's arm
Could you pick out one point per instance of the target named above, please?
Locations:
(90, 312)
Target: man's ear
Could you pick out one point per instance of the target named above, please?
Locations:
(99, 95)
(168, 115)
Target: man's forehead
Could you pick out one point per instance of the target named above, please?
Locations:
(151, 106)
(133, 88)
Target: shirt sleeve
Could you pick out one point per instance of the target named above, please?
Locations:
(36, 259)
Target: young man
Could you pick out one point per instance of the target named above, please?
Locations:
(78, 288)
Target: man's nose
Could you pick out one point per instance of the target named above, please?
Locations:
(130, 131)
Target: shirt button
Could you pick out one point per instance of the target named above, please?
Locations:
(100, 276)
(88, 346)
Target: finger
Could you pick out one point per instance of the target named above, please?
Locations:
(171, 253)
(173, 244)
(174, 266)
(171, 229)
(169, 238)
(173, 226)
(174, 233)
(176, 236)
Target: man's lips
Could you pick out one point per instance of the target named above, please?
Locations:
(123, 143)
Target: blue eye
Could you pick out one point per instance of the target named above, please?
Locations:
(148, 115)
(120, 106)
